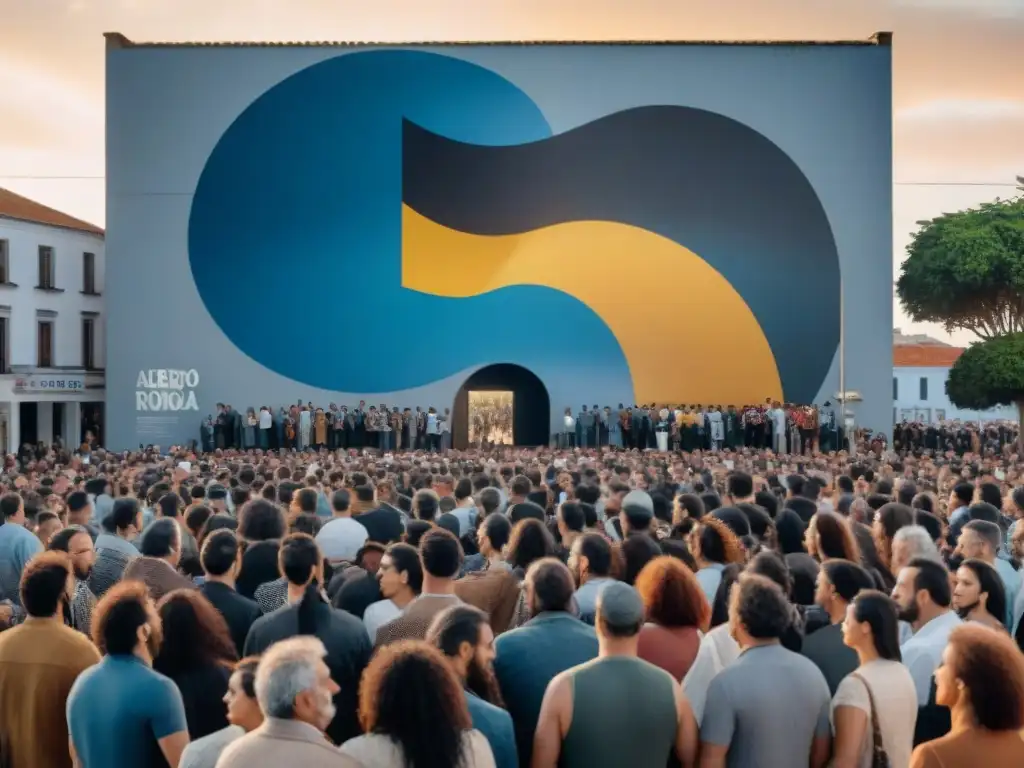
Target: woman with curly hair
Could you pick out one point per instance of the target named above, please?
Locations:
(414, 712)
(677, 613)
(198, 654)
(714, 546)
(981, 680)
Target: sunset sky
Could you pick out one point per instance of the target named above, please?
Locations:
(958, 84)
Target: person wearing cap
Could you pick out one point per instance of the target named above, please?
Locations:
(635, 516)
(617, 709)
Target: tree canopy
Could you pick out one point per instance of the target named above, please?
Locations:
(988, 374)
(966, 270)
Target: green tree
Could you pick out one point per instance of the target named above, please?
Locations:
(988, 374)
(966, 270)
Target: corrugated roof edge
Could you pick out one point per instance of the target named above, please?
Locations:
(116, 41)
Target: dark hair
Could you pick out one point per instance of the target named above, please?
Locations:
(637, 551)
(720, 605)
(847, 578)
(991, 583)
(196, 517)
(598, 552)
(882, 613)
(772, 566)
(43, 583)
(520, 485)
(118, 615)
(835, 538)
(298, 557)
(161, 538)
(219, 552)
(410, 694)
(739, 484)
(246, 670)
(894, 516)
(530, 541)
(77, 501)
(552, 585)
(61, 540)
(929, 522)
(734, 518)
(992, 670)
(572, 515)
(307, 499)
(169, 504)
(934, 579)
(306, 523)
(489, 500)
(672, 595)
(906, 494)
(964, 492)
(125, 512)
(261, 520)
(790, 527)
(406, 559)
(497, 529)
(340, 500)
(425, 502)
(454, 626)
(219, 522)
(440, 553)
(415, 530)
(717, 543)
(691, 503)
(195, 634)
(10, 503)
(463, 489)
(762, 607)
(987, 531)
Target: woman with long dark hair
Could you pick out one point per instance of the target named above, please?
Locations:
(829, 537)
(414, 712)
(198, 655)
(875, 706)
(979, 594)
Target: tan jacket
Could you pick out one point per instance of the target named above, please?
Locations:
(289, 743)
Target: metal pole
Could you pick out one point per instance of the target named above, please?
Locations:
(842, 364)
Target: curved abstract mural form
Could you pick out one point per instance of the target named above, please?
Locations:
(675, 253)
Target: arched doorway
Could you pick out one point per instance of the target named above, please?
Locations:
(531, 406)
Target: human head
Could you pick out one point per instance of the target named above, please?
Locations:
(493, 534)
(300, 560)
(590, 558)
(922, 590)
(712, 541)
(739, 486)
(124, 519)
(636, 552)
(549, 587)
(12, 506)
(890, 517)
(400, 569)
(464, 635)
(758, 610)
(979, 585)
(162, 539)
(125, 622)
(982, 674)
(440, 554)
(636, 512)
(46, 584)
(293, 682)
(912, 541)
(620, 612)
(340, 502)
(77, 542)
(261, 520)
(839, 581)
(219, 555)
(243, 708)
(872, 620)
(833, 538)
(530, 541)
(672, 596)
(411, 694)
(195, 634)
(979, 539)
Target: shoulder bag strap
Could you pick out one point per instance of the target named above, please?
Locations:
(880, 758)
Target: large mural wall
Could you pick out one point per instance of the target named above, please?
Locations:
(632, 224)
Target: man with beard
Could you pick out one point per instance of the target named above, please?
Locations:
(39, 662)
(463, 634)
(121, 712)
(76, 541)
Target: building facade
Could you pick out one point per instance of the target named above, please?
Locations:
(52, 350)
(920, 369)
(597, 223)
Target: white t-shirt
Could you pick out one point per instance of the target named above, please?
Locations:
(896, 698)
(265, 421)
(341, 538)
(380, 751)
(570, 422)
(377, 615)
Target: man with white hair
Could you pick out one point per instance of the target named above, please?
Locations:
(912, 541)
(294, 690)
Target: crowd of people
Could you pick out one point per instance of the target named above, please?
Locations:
(723, 606)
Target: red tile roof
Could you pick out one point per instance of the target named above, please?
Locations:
(14, 206)
(924, 356)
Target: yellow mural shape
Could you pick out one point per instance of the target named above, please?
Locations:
(687, 335)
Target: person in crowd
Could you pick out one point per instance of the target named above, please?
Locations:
(591, 561)
(261, 525)
(553, 640)
(115, 549)
(413, 711)
(617, 709)
(197, 654)
(308, 613)
(492, 537)
(157, 568)
(979, 594)
(39, 662)
(243, 714)
(912, 541)
(77, 543)
(981, 540)
(981, 680)
(441, 559)
(875, 707)
(714, 546)
(80, 512)
(17, 547)
(890, 517)
(829, 536)
(463, 634)
(121, 711)
(296, 693)
(400, 576)
(677, 614)
(924, 596)
(343, 535)
(839, 581)
(494, 587)
(743, 723)
(222, 562)
(635, 552)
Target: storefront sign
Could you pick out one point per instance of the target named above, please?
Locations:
(55, 384)
(166, 389)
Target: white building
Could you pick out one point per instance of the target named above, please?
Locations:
(920, 369)
(52, 352)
